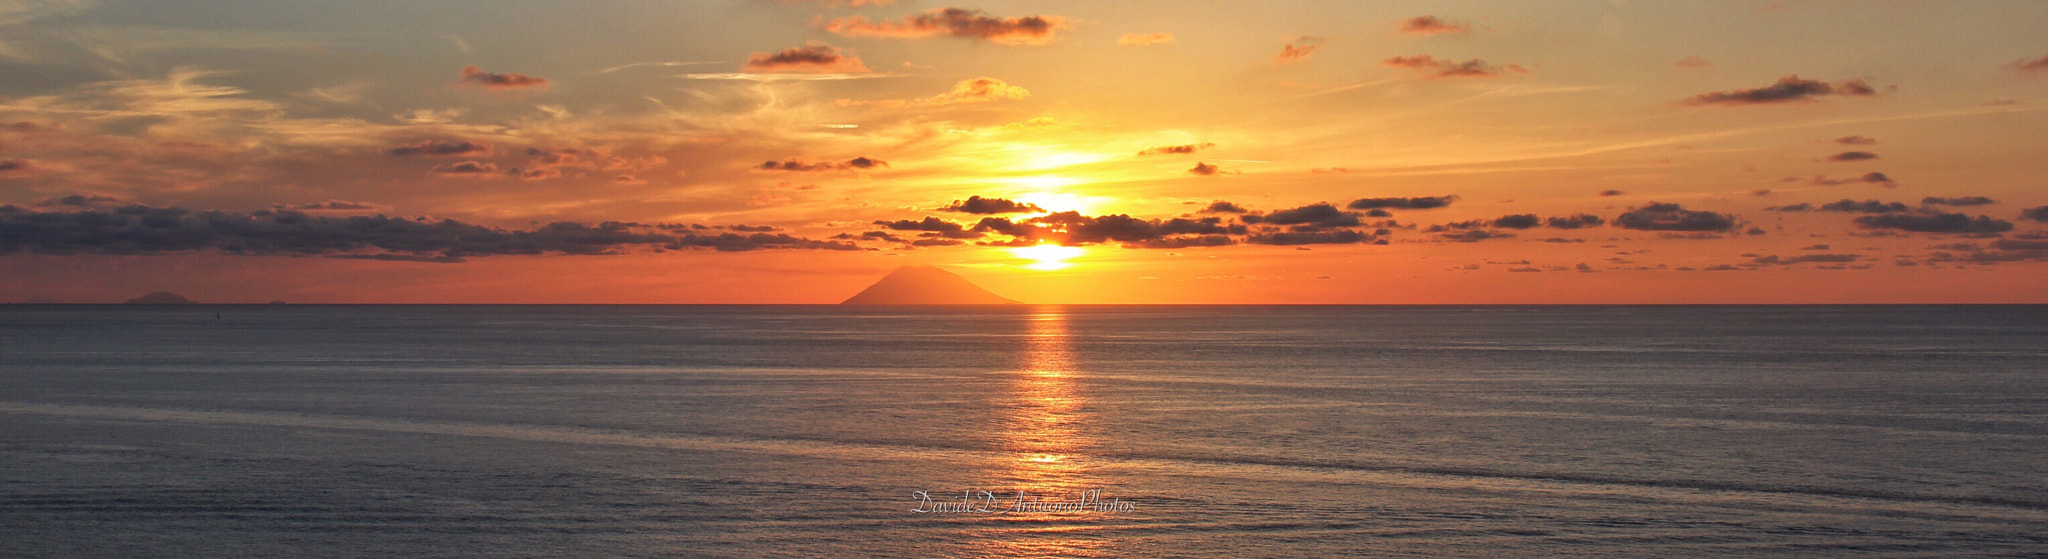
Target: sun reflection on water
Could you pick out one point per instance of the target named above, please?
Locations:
(1045, 433)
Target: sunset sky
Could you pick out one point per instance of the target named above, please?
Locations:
(766, 151)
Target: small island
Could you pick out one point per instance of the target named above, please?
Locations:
(162, 298)
(926, 285)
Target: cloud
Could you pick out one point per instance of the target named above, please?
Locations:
(2039, 213)
(1957, 201)
(1852, 156)
(1799, 207)
(469, 169)
(1298, 50)
(1207, 170)
(1934, 222)
(145, 230)
(1805, 258)
(2034, 65)
(444, 148)
(1144, 40)
(1787, 89)
(492, 80)
(980, 205)
(956, 22)
(1856, 141)
(1430, 25)
(932, 225)
(1671, 217)
(1867, 206)
(1415, 203)
(1868, 178)
(1611, 192)
(1317, 215)
(806, 166)
(1518, 221)
(81, 201)
(977, 90)
(812, 58)
(1580, 221)
(1222, 207)
(15, 166)
(1474, 68)
(1176, 150)
(1692, 62)
(332, 206)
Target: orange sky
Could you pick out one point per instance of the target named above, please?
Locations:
(763, 151)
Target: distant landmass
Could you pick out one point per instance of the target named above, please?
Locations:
(39, 301)
(926, 285)
(162, 298)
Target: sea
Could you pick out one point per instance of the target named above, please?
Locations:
(1023, 431)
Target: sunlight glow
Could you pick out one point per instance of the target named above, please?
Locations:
(1048, 257)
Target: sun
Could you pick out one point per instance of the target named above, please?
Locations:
(1047, 257)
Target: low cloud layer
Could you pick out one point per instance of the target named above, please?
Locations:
(492, 80)
(145, 230)
(1787, 89)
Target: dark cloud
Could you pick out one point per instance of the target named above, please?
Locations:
(15, 166)
(1176, 150)
(814, 57)
(1799, 207)
(931, 224)
(955, 22)
(1222, 207)
(2039, 213)
(1319, 215)
(1867, 206)
(1611, 192)
(467, 169)
(1958, 201)
(81, 201)
(1473, 235)
(1415, 203)
(1521, 221)
(1580, 221)
(1451, 68)
(1207, 170)
(1322, 237)
(980, 205)
(1934, 222)
(1430, 25)
(1872, 177)
(1852, 156)
(807, 166)
(1788, 88)
(1805, 258)
(1672, 217)
(144, 230)
(334, 205)
(1856, 141)
(444, 148)
(492, 80)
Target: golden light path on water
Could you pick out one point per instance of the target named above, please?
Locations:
(1045, 430)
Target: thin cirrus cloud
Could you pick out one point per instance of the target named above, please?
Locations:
(1298, 50)
(1436, 68)
(1786, 89)
(812, 58)
(1176, 150)
(1143, 39)
(977, 90)
(2033, 65)
(955, 22)
(1431, 25)
(473, 75)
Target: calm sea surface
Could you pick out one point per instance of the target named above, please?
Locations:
(653, 431)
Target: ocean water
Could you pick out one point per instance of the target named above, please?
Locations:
(801, 431)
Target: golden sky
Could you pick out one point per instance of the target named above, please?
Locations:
(767, 151)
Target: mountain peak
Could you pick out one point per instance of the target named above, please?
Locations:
(161, 298)
(925, 285)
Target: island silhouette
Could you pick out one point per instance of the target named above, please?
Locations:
(926, 285)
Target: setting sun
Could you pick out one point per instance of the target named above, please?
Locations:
(1048, 257)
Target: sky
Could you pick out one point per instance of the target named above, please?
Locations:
(787, 151)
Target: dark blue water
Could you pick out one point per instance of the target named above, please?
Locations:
(593, 431)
